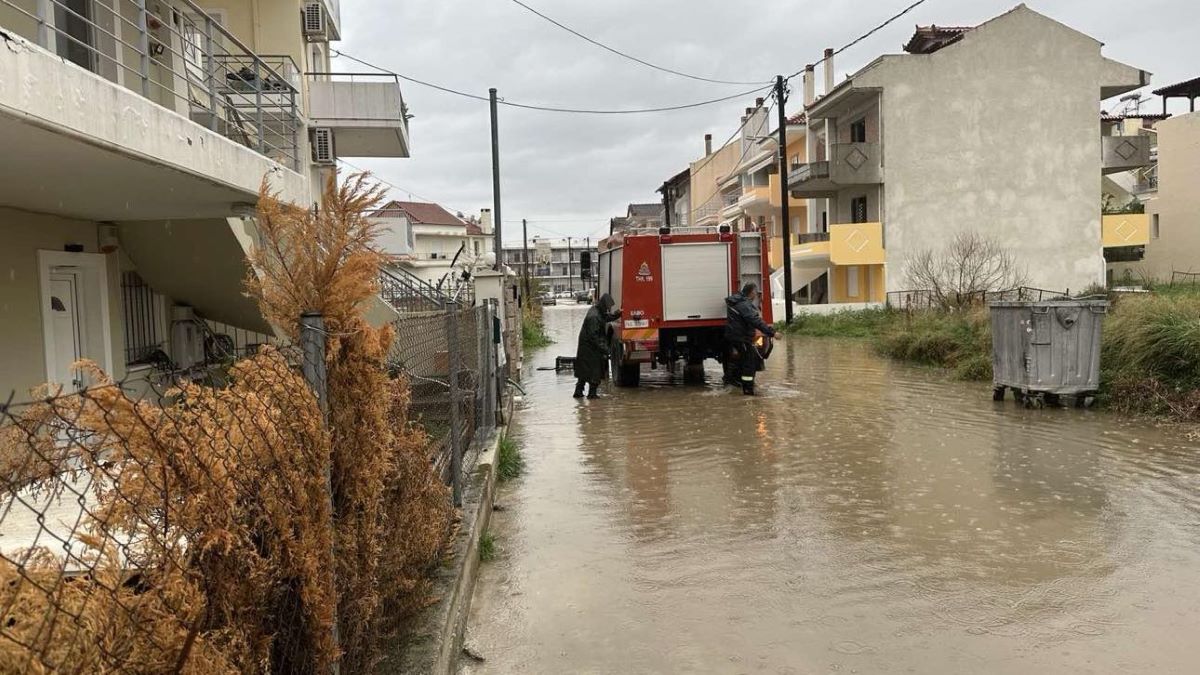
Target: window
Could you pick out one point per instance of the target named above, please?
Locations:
(858, 209)
(824, 221)
(1154, 226)
(858, 131)
(476, 242)
(852, 281)
(144, 315)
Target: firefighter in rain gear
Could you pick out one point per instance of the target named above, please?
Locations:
(591, 356)
(741, 320)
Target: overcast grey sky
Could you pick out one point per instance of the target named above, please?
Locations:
(568, 174)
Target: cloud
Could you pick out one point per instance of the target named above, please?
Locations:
(572, 172)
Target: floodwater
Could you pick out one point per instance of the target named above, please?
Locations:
(860, 516)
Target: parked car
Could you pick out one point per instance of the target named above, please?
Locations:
(564, 295)
(547, 299)
(583, 297)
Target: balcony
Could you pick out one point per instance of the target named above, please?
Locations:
(107, 100)
(843, 244)
(365, 111)
(1125, 236)
(1122, 153)
(729, 203)
(756, 198)
(773, 194)
(851, 164)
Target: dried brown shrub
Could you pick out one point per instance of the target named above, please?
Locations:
(217, 502)
(388, 505)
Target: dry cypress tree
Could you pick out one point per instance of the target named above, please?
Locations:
(326, 260)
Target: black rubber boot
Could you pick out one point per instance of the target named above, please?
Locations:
(748, 388)
(578, 390)
(593, 391)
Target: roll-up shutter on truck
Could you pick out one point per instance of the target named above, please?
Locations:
(695, 280)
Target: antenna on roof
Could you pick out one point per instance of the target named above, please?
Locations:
(1133, 103)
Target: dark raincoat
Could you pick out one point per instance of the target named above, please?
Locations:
(591, 357)
(742, 318)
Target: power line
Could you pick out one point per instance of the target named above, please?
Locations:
(622, 54)
(549, 108)
(741, 158)
(865, 35)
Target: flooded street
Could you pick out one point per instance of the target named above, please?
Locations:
(858, 516)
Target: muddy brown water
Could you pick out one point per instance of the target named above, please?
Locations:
(859, 516)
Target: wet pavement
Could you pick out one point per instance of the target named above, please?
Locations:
(860, 516)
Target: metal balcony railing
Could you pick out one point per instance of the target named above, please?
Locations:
(182, 60)
(409, 293)
(812, 237)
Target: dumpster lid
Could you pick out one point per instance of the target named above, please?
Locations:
(1065, 302)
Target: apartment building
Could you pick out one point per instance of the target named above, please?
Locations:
(136, 136)
(559, 265)
(677, 198)
(750, 194)
(443, 244)
(1169, 231)
(990, 128)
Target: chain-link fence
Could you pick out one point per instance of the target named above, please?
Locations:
(450, 358)
(196, 526)
(928, 299)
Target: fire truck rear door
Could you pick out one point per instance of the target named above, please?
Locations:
(695, 280)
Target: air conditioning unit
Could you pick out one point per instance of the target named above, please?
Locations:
(323, 151)
(315, 23)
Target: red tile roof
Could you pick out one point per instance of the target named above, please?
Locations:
(421, 213)
(929, 39)
(473, 228)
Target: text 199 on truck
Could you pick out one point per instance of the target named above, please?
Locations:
(671, 286)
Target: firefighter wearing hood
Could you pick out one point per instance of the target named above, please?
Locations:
(741, 321)
(591, 356)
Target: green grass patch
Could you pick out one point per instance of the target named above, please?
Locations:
(510, 464)
(1150, 354)
(851, 323)
(533, 333)
(487, 547)
(960, 341)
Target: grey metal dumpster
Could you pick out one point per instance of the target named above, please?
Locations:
(1046, 349)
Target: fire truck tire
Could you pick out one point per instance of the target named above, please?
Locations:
(629, 375)
(624, 374)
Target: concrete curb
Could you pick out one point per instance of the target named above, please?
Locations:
(436, 636)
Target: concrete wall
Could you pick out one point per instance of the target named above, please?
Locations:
(997, 133)
(706, 171)
(1176, 206)
(23, 360)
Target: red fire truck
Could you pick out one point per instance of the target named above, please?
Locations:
(671, 285)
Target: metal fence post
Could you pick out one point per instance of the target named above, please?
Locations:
(210, 69)
(143, 46)
(453, 354)
(312, 349)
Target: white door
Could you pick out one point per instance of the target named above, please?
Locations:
(66, 324)
(75, 317)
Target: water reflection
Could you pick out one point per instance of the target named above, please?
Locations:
(859, 515)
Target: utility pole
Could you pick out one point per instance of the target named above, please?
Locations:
(570, 277)
(587, 246)
(498, 220)
(780, 98)
(525, 257)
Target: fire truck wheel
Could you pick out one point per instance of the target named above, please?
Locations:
(629, 375)
(624, 374)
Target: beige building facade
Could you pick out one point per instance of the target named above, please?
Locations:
(992, 129)
(135, 147)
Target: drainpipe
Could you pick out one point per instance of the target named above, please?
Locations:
(828, 70)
